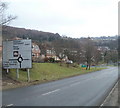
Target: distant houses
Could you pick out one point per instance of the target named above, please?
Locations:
(35, 51)
(50, 54)
(103, 48)
(37, 56)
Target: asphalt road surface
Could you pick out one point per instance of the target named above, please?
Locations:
(84, 90)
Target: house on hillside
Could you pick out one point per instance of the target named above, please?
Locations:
(65, 59)
(50, 53)
(35, 51)
(56, 58)
(103, 48)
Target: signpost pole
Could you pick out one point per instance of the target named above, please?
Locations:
(28, 75)
(7, 71)
(17, 74)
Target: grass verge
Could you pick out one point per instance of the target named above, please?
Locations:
(44, 72)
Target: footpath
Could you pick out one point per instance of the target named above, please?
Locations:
(113, 99)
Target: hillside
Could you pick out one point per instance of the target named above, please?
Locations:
(39, 36)
(74, 48)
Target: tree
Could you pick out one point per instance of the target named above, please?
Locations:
(89, 50)
(5, 20)
(69, 47)
(111, 56)
(114, 56)
(97, 56)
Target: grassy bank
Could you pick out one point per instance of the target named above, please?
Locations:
(43, 72)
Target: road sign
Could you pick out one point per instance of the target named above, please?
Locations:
(17, 54)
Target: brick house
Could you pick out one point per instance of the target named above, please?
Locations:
(35, 51)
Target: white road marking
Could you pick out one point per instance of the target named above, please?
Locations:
(10, 105)
(75, 84)
(92, 78)
(50, 92)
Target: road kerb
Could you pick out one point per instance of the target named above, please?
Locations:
(109, 95)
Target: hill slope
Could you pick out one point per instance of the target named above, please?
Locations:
(11, 32)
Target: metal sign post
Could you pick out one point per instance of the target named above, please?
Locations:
(28, 75)
(17, 73)
(7, 71)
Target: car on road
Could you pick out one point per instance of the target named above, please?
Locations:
(69, 62)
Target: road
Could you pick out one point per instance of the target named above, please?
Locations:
(84, 90)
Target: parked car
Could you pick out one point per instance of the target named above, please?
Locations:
(69, 62)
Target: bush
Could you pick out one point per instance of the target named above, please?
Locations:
(75, 65)
(52, 60)
(46, 59)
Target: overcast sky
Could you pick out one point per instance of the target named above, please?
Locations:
(73, 18)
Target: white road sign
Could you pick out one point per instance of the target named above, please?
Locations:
(17, 54)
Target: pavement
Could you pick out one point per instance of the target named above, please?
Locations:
(112, 98)
(85, 90)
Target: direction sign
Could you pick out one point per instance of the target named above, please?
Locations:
(17, 54)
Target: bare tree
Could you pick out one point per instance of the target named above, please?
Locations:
(97, 56)
(5, 20)
(89, 50)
